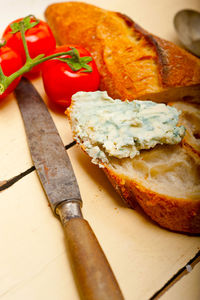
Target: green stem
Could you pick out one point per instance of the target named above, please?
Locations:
(1, 73)
(30, 63)
(50, 57)
(3, 79)
(24, 40)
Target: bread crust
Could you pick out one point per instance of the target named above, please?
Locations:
(132, 62)
(182, 215)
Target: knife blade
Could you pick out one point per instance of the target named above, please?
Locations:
(94, 275)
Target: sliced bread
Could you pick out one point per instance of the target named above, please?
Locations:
(164, 180)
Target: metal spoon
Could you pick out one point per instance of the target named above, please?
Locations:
(187, 25)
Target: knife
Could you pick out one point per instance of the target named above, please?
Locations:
(94, 275)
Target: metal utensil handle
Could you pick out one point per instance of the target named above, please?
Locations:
(95, 278)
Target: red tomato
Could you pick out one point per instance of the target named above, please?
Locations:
(40, 40)
(61, 82)
(10, 62)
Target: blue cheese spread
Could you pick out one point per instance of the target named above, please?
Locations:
(107, 127)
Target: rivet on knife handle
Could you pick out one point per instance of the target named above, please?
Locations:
(94, 275)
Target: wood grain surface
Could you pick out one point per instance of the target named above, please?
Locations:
(34, 261)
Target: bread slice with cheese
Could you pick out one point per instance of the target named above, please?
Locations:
(133, 63)
(164, 180)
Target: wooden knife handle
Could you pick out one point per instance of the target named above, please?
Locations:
(94, 275)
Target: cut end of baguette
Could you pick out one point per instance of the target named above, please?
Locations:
(176, 214)
(165, 180)
(166, 170)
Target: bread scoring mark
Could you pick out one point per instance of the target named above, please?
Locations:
(137, 34)
(125, 52)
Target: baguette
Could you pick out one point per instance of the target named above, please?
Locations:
(133, 63)
(165, 180)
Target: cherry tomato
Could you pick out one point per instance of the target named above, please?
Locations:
(61, 80)
(10, 62)
(40, 40)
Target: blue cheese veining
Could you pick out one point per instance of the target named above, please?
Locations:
(108, 127)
